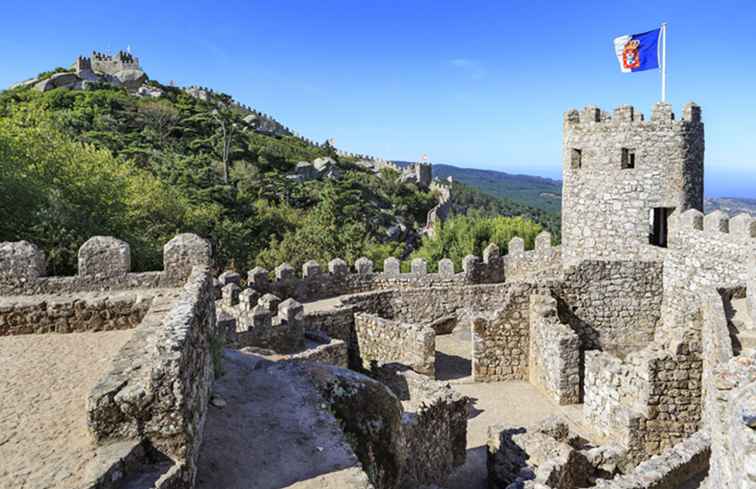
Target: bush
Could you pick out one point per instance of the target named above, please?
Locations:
(469, 235)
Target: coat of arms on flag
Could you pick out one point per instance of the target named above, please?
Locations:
(638, 52)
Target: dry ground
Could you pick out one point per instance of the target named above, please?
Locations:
(44, 383)
(515, 403)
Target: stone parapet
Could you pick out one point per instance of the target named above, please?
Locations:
(104, 264)
(158, 388)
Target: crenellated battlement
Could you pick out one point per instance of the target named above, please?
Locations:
(104, 263)
(661, 112)
(740, 229)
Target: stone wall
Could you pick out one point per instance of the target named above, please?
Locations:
(334, 323)
(618, 168)
(613, 393)
(435, 429)
(501, 338)
(650, 401)
(104, 264)
(729, 411)
(613, 306)
(554, 353)
(158, 387)
(686, 461)
(72, 313)
(317, 282)
(330, 351)
(705, 252)
(426, 305)
(751, 289)
(544, 261)
(384, 341)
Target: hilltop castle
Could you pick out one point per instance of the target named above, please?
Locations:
(636, 337)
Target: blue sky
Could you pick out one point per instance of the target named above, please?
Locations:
(477, 84)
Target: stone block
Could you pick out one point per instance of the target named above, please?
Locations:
(258, 278)
(261, 318)
(310, 269)
(692, 112)
(661, 112)
(469, 262)
(363, 265)
(21, 261)
(230, 294)
(572, 116)
(624, 113)
(692, 219)
(248, 299)
(590, 113)
(284, 271)
(184, 252)
(104, 256)
(516, 246)
(419, 266)
(491, 253)
(337, 266)
(290, 310)
(543, 240)
(229, 277)
(391, 266)
(270, 302)
(743, 225)
(717, 222)
(446, 267)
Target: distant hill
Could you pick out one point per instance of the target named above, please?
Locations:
(539, 192)
(730, 205)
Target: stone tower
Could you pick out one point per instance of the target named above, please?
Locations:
(625, 176)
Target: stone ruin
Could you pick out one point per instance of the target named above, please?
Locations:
(624, 358)
(139, 350)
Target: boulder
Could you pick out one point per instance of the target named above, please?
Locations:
(132, 79)
(58, 80)
(305, 170)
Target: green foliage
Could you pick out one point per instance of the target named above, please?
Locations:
(78, 163)
(465, 198)
(469, 235)
(58, 193)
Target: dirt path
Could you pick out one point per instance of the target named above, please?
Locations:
(272, 433)
(44, 383)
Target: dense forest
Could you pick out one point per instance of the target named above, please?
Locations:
(78, 163)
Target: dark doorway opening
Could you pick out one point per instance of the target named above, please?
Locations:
(660, 225)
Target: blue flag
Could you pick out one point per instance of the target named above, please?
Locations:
(638, 52)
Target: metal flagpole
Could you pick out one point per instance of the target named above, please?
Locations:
(664, 62)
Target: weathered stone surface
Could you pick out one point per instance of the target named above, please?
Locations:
(419, 266)
(384, 341)
(184, 252)
(284, 271)
(391, 266)
(363, 265)
(446, 267)
(616, 169)
(310, 269)
(338, 266)
(104, 256)
(21, 261)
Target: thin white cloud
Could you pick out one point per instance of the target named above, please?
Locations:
(472, 67)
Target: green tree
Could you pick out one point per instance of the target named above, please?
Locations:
(469, 235)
